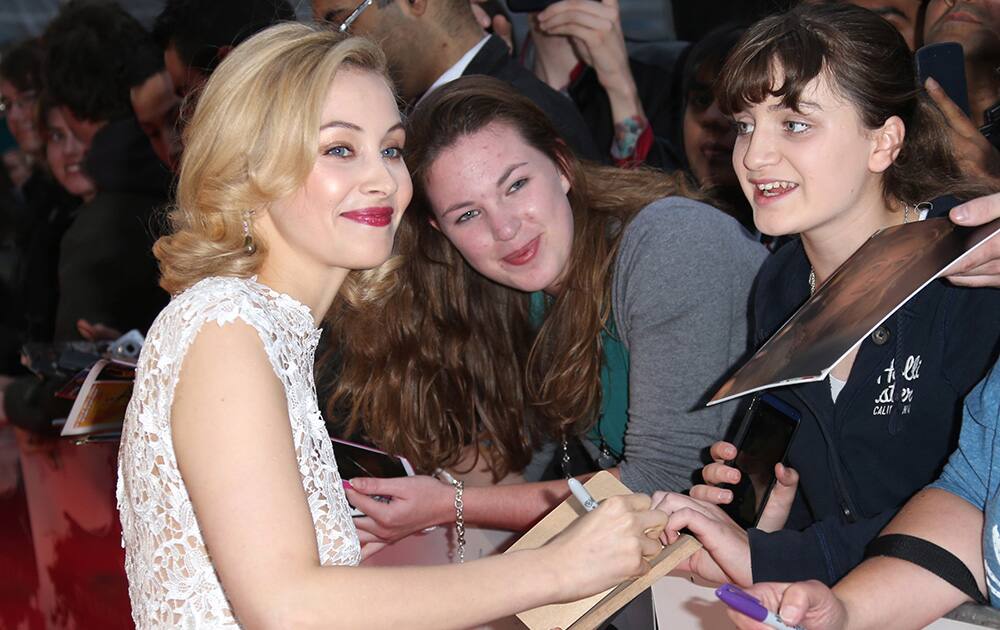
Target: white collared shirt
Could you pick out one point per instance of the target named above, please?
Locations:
(456, 70)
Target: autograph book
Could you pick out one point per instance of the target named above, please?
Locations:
(100, 398)
(590, 612)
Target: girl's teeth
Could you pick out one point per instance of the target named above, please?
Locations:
(776, 187)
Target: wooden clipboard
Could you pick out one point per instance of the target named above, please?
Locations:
(590, 612)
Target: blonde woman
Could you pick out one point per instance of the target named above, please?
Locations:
(233, 512)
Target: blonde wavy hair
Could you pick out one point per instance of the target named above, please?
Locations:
(253, 139)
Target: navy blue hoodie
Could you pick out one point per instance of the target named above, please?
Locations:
(893, 425)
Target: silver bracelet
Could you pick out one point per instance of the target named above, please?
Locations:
(443, 474)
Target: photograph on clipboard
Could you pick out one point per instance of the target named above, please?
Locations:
(889, 269)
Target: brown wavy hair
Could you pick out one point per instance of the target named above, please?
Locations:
(448, 358)
(253, 139)
(867, 63)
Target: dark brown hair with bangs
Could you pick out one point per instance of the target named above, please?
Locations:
(458, 360)
(867, 63)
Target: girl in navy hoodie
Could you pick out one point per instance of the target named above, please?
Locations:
(836, 140)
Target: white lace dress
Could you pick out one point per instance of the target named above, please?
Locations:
(172, 582)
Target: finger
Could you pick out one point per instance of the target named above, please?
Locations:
(578, 24)
(956, 117)
(649, 546)
(985, 261)
(365, 535)
(658, 498)
(675, 501)
(683, 517)
(565, 7)
(779, 503)
(722, 451)
(786, 476)
(85, 329)
(369, 550)
(672, 501)
(482, 18)
(376, 486)
(503, 29)
(802, 597)
(637, 502)
(716, 473)
(651, 523)
(590, 13)
(704, 528)
(704, 492)
(976, 281)
(977, 211)
(373, 508)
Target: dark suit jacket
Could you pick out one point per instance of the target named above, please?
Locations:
(494, 60)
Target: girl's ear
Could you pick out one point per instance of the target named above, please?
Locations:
(562, 164)
(888, 142)
(434, 224)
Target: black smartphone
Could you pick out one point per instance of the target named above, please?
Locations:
(357, 460)
(762, 441)
(945, 62)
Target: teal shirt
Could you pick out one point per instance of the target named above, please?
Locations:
(614, 384)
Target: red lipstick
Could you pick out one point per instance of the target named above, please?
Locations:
(375, 217)
(524, 255)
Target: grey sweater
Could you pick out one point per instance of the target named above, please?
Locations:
(680, 296)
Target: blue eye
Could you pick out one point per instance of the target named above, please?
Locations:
(392, 153)
(518, 185)
(742, 127)
(465, 216)
(340, 151)
(796, 126)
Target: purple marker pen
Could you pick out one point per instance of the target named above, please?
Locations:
(751, 607)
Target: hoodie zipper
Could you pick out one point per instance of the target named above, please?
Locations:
(847, 507)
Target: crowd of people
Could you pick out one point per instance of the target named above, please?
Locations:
(533, 258)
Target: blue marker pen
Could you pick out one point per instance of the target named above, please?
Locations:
(751, 607)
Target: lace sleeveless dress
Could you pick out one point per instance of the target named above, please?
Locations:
(172, 582)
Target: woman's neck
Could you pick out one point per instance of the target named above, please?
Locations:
(314, 290)
(829, 245)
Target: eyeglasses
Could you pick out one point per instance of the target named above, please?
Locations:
(346, 24)
(24, 101)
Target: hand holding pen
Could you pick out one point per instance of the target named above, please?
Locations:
(604, 547)
(809, 605)
(589, 503)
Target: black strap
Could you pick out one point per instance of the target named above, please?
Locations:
(926, 554)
